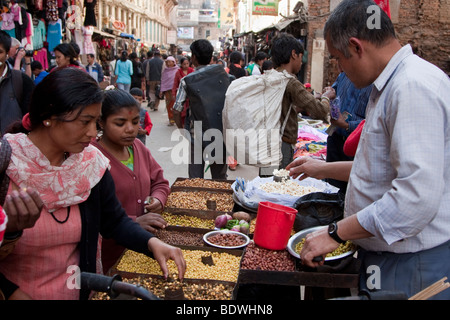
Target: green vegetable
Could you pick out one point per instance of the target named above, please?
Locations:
(231, 223)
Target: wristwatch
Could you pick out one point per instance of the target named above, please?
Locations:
(332, 231)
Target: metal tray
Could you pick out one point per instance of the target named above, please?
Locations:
(296, 238)
(212, 233)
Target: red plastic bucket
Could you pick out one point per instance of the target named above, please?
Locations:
(273, 227)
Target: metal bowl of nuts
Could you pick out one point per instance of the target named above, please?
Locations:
(226, 239)
(295, 243)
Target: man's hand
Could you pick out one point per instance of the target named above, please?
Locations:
(329, 92)
(317, 243)
(142, 131)
(307, 167)
(341, 121)
(177, 119)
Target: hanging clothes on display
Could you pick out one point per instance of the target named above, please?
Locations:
(74, 16)
(79, 39)
(20, 21)
(88, 31)
(51, 11)
(89, 19)
(41, 56)
(8, 23)
(27, 41)
(54, 34)
(39, 34)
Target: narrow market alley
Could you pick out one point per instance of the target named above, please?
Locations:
(162, 148)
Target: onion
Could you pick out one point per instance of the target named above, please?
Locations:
(236, 228)
(244, 226)
(221, 221)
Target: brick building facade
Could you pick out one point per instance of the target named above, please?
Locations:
(425, 24)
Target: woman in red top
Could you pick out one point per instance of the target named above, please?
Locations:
(184, 70)
(66, 56)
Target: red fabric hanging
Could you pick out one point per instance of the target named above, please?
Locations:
(384, 4)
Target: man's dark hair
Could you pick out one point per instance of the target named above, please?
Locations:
(260, 55)
(203, 50)
(136, 92)
(36, 65)
(91, 55)
(352, 18)
(282, 49)
(5, 40)
(236, 57)
(150, 54)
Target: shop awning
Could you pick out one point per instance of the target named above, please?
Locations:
(104, 34)
(127, 35)
(281, 25)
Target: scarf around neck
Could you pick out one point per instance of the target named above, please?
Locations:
(58, 186)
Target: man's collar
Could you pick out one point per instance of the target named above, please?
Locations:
(392, 65)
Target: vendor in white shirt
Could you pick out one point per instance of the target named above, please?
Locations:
(396, 206)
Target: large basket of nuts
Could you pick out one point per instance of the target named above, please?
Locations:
(182, 236)
(199, 184)
(207, 263)
(173, 289)
(200, 202)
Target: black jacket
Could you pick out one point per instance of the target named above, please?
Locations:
(14, 101)
(102, 213)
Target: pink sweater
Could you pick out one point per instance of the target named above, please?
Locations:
(132, 187)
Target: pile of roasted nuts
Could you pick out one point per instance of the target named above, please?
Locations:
(187, 221)
(227, 239)
(258, 258)
(178, 238)
(198, 200)
(191, 290)
(225, 266)
(202, 183)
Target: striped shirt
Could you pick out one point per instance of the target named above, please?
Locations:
(399, 185)
(352, 100)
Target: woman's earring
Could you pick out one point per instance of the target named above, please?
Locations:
(47, 123)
